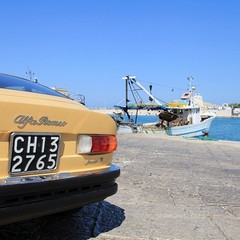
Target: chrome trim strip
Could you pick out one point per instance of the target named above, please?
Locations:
(53, 177)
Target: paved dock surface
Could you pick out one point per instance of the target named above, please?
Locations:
(170, 188)
(174, 188)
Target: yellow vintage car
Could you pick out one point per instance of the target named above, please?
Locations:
(55, 154)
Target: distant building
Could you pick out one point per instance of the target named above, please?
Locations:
(236, 112)
(221, 111)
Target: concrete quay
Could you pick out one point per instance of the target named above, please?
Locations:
(174, 188)
(169, 188)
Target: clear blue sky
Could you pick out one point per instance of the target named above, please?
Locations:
(87, 46)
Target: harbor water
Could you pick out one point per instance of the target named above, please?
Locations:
(225, 129)
(221, 128)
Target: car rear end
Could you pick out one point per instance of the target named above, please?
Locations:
(56, 155)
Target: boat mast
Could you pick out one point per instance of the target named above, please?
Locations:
(126, 93)
(127, 82)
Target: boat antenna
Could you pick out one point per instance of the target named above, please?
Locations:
(190, 79)
(191, 88)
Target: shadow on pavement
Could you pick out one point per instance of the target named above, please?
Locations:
(88, 222)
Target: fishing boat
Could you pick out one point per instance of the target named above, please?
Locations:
(183, 117)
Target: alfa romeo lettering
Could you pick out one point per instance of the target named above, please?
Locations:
(22, 121)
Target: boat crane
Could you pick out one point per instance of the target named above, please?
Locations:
(132, 80)
(131, 84)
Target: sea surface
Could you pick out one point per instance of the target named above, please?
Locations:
(225, 129)
(221, 128)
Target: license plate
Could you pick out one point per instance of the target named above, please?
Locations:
(32, 152)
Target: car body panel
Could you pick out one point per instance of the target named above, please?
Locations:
(16, 104)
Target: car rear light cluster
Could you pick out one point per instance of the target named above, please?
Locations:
(94, 144)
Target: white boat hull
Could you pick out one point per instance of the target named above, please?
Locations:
(192, 130)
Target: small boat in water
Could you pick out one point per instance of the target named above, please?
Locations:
(183, 117)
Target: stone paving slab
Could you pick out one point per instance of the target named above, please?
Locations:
(169, 188)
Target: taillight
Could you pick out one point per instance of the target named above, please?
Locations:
(96, 144)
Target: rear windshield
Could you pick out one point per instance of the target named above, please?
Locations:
(21, 84)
